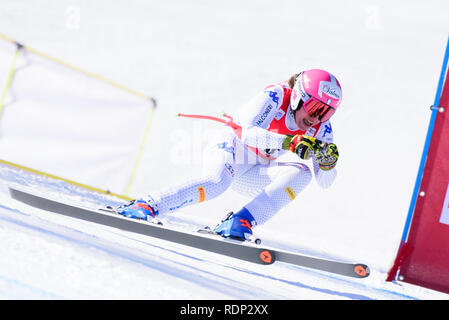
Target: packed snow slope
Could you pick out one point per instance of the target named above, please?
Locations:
(211, 56)
(48, 256)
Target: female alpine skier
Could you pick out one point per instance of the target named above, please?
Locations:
(292, 116)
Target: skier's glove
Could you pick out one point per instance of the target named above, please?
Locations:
(327, 156)
(303, 146)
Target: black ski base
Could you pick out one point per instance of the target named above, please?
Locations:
(206, 239)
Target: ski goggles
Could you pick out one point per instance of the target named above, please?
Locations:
(316, 108)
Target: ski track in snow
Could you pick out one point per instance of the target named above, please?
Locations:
(204, 275)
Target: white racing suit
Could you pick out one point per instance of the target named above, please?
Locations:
(246, 161)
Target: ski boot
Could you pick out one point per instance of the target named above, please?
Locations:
(237, 226)
(139, 209)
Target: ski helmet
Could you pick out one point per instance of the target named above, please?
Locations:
(318, 91)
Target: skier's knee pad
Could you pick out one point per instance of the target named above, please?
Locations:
(301, 177)
(217, 183)
(295, 176)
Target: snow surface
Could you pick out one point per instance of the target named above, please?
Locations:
(212, 56)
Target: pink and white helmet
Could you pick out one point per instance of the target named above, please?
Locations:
(319, 91)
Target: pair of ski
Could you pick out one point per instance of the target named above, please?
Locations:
(205, 240)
